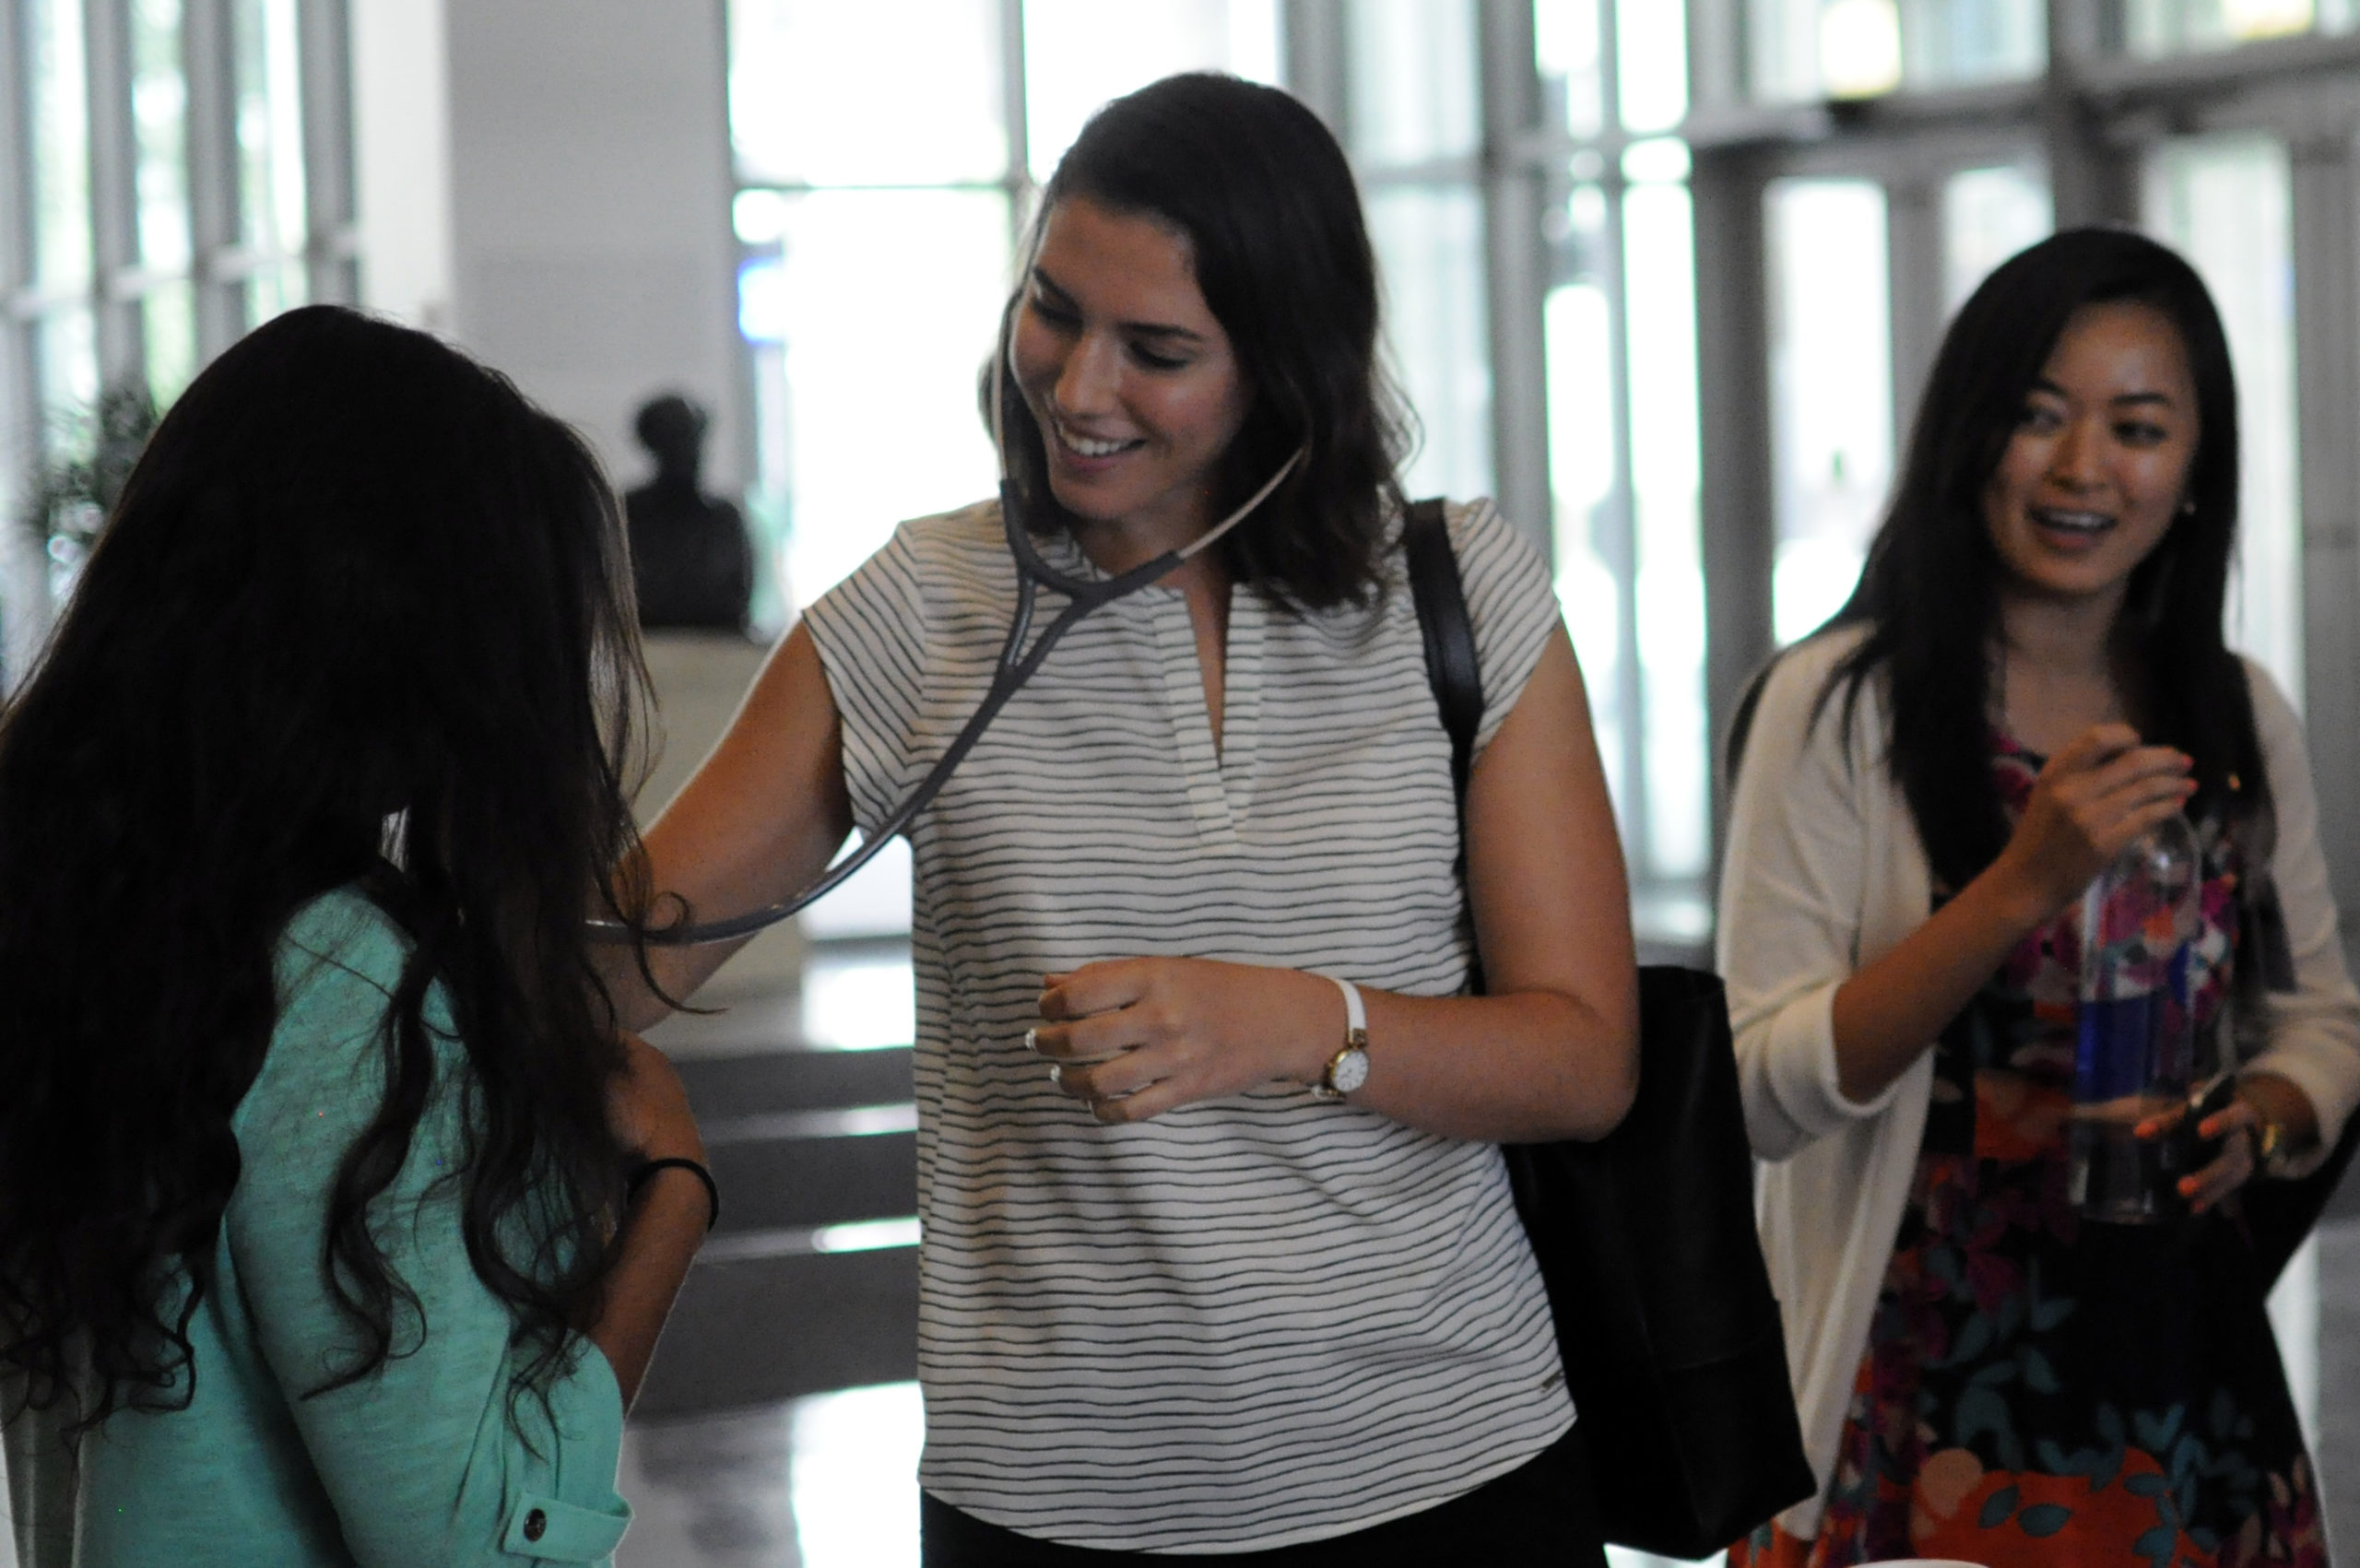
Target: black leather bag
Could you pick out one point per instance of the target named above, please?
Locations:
(1670, 1337)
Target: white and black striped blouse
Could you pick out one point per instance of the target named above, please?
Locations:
(1249, 1322)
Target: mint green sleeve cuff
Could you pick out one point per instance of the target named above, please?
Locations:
(549, 1529)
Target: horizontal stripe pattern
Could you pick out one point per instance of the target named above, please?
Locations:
(1256, 1321)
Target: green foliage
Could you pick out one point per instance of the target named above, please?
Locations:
(71, 499)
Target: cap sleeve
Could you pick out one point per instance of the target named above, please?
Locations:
(870, 632)
(1511, 602)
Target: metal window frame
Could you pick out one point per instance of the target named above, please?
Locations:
(1523, 167)
(120, 282)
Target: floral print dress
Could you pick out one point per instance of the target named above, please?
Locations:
(2041, 1390)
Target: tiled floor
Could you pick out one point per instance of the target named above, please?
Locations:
(826, 1481)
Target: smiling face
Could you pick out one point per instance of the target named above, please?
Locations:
(2097, 467)
(1134, 383)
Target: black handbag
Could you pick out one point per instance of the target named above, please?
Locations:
(1670, 1337)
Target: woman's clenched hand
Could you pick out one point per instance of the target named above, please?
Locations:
(1133, 1038)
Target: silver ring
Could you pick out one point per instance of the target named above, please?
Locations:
(1056, 1073)
(1032, 1040)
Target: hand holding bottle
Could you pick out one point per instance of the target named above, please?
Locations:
(2095, 796)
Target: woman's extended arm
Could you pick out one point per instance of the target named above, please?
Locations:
(1552, 1050)
(762, 818)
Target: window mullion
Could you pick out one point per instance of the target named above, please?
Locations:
(1733, 408)
(1915, 281)
(1015, 87)
(213, 176)
(1312, 52)
(2089, 181)
(1517, 267)
(1716, 67)
(114, 198)
(326, 96)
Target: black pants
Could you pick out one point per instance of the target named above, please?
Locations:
(1540, 1514)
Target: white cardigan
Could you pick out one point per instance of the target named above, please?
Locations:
(1825, 875)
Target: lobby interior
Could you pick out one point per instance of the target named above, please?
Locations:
(1663, 277)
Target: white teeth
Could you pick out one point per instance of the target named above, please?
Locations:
(2074, 521)
(1083, 446)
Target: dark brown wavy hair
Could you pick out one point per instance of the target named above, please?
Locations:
(1266, 201)
(355, 574)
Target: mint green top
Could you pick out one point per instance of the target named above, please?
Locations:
(416, 1464)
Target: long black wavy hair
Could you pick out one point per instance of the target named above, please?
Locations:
(1266, 201)
(355, 574)
(1929, 595)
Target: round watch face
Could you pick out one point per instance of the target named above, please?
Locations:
(1348, 1071)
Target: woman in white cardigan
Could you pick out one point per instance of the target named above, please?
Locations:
(2030, 677)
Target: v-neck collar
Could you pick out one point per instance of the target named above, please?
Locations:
(1219, 778)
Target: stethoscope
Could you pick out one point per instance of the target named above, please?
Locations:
(1016, 665)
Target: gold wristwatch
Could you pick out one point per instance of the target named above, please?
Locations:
(1348, 1068)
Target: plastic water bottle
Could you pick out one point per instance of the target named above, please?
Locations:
(2135, 1056)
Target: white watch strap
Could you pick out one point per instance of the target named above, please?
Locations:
(1355, 1013)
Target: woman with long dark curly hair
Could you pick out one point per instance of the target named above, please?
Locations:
(1218, 1252)
(2030, 677)
(320, 1240)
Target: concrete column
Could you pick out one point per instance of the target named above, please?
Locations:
(592, 257)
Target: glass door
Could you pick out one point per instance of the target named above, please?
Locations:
(1838, 248)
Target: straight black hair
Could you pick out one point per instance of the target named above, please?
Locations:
(1265, 202)
(1929, 595)
(354, 577)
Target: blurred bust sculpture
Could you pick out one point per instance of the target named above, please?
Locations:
(690, 556)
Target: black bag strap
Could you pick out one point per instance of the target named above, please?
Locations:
(1451, 666)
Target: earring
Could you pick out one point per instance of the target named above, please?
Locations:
(2187, 506)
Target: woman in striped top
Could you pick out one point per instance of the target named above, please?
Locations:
(1196, 1279)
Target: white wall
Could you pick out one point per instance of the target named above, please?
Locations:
(591, 255)
(402, 156)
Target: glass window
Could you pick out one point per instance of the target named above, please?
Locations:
(892, 92)
(1565, 38)
(2224, 202)
(160, 126)
(1074, 62)
(65, 351)
(1987, 216)
(159, 136)
(1429, 245)
(1592, 554)
(1807, 49)
(1651, 49)
(889, 304)
(168, 321)
(1660, 290)
(1415, 87)
(2173, 26)
(61, 150)
(1830, 380)
(270, 125)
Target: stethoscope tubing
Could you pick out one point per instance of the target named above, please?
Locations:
(1015, 667)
